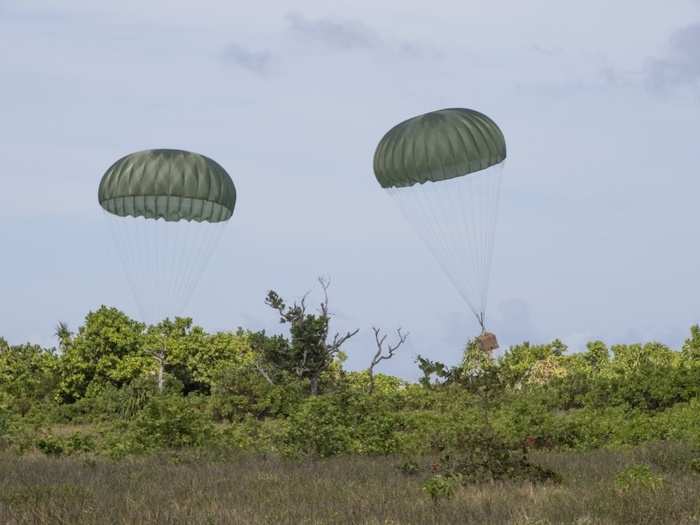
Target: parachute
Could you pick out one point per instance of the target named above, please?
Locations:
(166, 209)
(444, 171)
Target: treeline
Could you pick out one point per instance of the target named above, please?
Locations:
(118, 387)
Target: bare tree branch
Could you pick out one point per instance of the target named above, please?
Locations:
(325, 283)
(380, 356)
(262, 371)
(338, 341)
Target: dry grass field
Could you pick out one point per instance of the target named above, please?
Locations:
(186, 489)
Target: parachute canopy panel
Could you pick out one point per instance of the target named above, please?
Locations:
(436, 146)
(168, 184)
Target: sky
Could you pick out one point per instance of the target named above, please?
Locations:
(599, 103)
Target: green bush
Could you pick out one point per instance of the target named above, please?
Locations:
(253, 435)
(165, 422)
(482, 456)
(441, 486)
(638, 477)
(694, 465)
(4, 428)
(79, 442)
(51, 445)
(345, 422)
(241, 391)
(320, 426)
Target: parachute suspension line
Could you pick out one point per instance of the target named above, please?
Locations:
(456, 218)
(117, 244)
(494, 200)
(481, 317)
(163, 260)
(204, 243)
(418, 206)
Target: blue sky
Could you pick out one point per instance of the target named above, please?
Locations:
(597, 234)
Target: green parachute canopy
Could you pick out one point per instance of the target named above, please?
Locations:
(436, 146)
(443, 169)
(168, 184)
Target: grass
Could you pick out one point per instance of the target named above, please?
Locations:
(186, 489)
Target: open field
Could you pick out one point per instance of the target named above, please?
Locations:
(185, 489)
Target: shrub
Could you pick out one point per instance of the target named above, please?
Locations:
(483, 456)
(51, 445)
(4, 423)
(636, 477)
(253, 435)
(409, 467)
(347, 421)
(321, 427)
(78, 442)
(695, 465)
(442, 486)
(167, 421)
(242, 391)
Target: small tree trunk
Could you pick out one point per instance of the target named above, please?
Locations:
(160, 358)
(314, 385)
(160, 376)
(371, 379)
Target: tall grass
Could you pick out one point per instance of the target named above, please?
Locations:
(192, 490)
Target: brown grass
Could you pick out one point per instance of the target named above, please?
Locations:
(251, 490)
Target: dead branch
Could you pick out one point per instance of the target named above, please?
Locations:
(338, 341)
(325, 283)
(380, 356)
(262, 371)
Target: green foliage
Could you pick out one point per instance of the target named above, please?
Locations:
(441, 486)
(240, 391)
(309, 353)
(516, 365)
(27, 375)
(345, 422)
(50, 445)
(384, 385)
(78, 442)
(256, 389)
(695, 465)
(429, 369)
(482, 456)
(409, 467)
(169, 421)
(638, 477)
(75, 443)
(4, 427)
(108, 349)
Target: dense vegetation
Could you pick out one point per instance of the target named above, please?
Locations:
(116, 389)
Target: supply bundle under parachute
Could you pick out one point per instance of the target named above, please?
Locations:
(444, 170)
(166, 209)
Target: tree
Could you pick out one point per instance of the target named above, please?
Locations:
(517, 363)
(108, 349)
(64, 336)
(309, 353)
(165, 340)
(27, 373)
(690, 363)
(475, 362)
(194, 357)
(644, 376)
(430, 368)
(691, 346)
(597, 355)
(380, 356)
